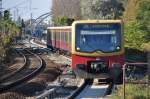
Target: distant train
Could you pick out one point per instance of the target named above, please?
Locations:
(96, 47)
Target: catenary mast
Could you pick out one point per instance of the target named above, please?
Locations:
(0, 9)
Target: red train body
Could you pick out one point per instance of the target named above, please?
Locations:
(59, 38)
(96, 47)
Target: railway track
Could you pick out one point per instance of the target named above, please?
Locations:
(67, 86)
(33, 65)
(16, 67)
(95, 90)
(82, 90)
(85, 90)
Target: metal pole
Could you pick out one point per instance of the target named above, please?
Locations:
(30, 23)
(124, 66)
(1, 9)
(148, 59)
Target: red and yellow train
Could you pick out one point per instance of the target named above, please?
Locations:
(96, 47)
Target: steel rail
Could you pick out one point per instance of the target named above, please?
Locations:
(109, 89)
(17, 71)
(78, 90)
(27, 77)
(75, 93)
(50, 93)
(90, 91)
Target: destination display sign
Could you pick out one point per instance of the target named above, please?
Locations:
(96, 26)
(102, 32)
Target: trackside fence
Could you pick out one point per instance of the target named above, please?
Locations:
(135, 74)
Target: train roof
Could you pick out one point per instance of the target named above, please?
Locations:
(60, 27)
(97, 21)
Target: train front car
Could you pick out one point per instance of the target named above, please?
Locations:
(97, 49)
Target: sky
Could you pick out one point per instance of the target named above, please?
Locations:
(22, 7)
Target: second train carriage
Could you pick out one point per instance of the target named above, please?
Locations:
(59, 38)
(96, 47)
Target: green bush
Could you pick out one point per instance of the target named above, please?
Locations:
(134, 36)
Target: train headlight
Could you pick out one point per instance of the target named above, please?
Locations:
(118, 48)
(78, 49)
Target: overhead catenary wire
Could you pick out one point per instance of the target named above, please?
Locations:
(21, 3)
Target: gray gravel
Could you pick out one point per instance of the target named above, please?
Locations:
(60, 59)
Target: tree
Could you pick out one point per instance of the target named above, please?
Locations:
(63, 21)
(101, 9)
(63, 8)
(131, 10)
(18, 22)
(8, 31)
(112, 9)
(137, 31)
(134, 36)
(22, 23)
(143, 16)
(6, 15)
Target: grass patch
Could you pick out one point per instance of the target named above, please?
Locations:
(133, 92)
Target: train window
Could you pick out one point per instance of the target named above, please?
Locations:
(70, 37)
(67, 38)
(58, 35)
(62, 36)
(68, 34)
(55, 35)
(51, 33)
(92, 37)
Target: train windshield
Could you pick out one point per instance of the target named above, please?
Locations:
(98, 37)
